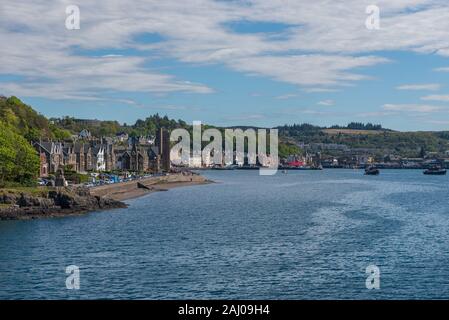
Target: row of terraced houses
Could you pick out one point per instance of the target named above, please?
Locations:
(100, 156)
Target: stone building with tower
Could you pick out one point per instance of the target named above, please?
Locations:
(163, 144)
(99, 156)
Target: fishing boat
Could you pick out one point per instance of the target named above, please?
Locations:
(372, 171)
(230, 167)
(435, 170)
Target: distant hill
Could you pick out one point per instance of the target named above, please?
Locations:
(352, 131)
(361, 126)
(28, 123)
(381, 141)
(99, 128)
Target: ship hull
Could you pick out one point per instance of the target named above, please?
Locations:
(435, 173)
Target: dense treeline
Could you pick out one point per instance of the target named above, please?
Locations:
(305, 127)
(98, 128)
(150, 125)
(359, 126)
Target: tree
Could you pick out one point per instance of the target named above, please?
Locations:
(19, 161)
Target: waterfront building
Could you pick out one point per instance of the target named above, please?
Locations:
(163, 143)
(84, 134)
(88, 164)
(80, 157)
(54, 156)
(154, 159)
(43, 165)
(136, 160)
(69, 155)
(121, 137)
(98, 158)
(109, 157)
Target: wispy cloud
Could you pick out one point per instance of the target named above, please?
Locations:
(319, 90)
(58, 64)
(375, 114)
(195, 32)
(326, 103)
(307, 70)
(412, 108)
(287, 96)
(420, 87)
(443, 69)
(436, 97)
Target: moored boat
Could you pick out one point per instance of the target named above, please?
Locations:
(435, 170)
(372, 171)
(230, 167)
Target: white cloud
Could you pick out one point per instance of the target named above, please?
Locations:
(412, 108)
(307, 70)
(375, 114)
(314, 112)
(419, 87)
(324, 47)
(326, 102)
(319, 90)
(287, 96)
(435, 97)
(443, 69)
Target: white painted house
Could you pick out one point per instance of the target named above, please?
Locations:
(98, 159)
(84, 134)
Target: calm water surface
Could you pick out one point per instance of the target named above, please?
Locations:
(301, 235)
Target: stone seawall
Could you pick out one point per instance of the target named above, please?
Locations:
(132, 189)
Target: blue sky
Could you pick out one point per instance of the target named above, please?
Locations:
(232, 62)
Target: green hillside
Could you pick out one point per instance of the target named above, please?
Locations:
(405, 144)
(19, 125)
(19, 162)
(26, 122)
(99, 128)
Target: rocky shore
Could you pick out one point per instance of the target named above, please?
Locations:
(52, 202)
(46, 202)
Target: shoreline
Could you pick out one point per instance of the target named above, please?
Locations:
(134, 189)
(66, 202)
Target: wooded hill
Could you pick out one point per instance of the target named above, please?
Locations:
(20, 124)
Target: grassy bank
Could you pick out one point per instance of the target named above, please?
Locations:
(35, 191)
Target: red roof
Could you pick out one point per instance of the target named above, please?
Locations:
(296, 164)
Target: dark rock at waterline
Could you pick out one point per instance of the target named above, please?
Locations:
(54, 203)
(27, 201)
(8, 199)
